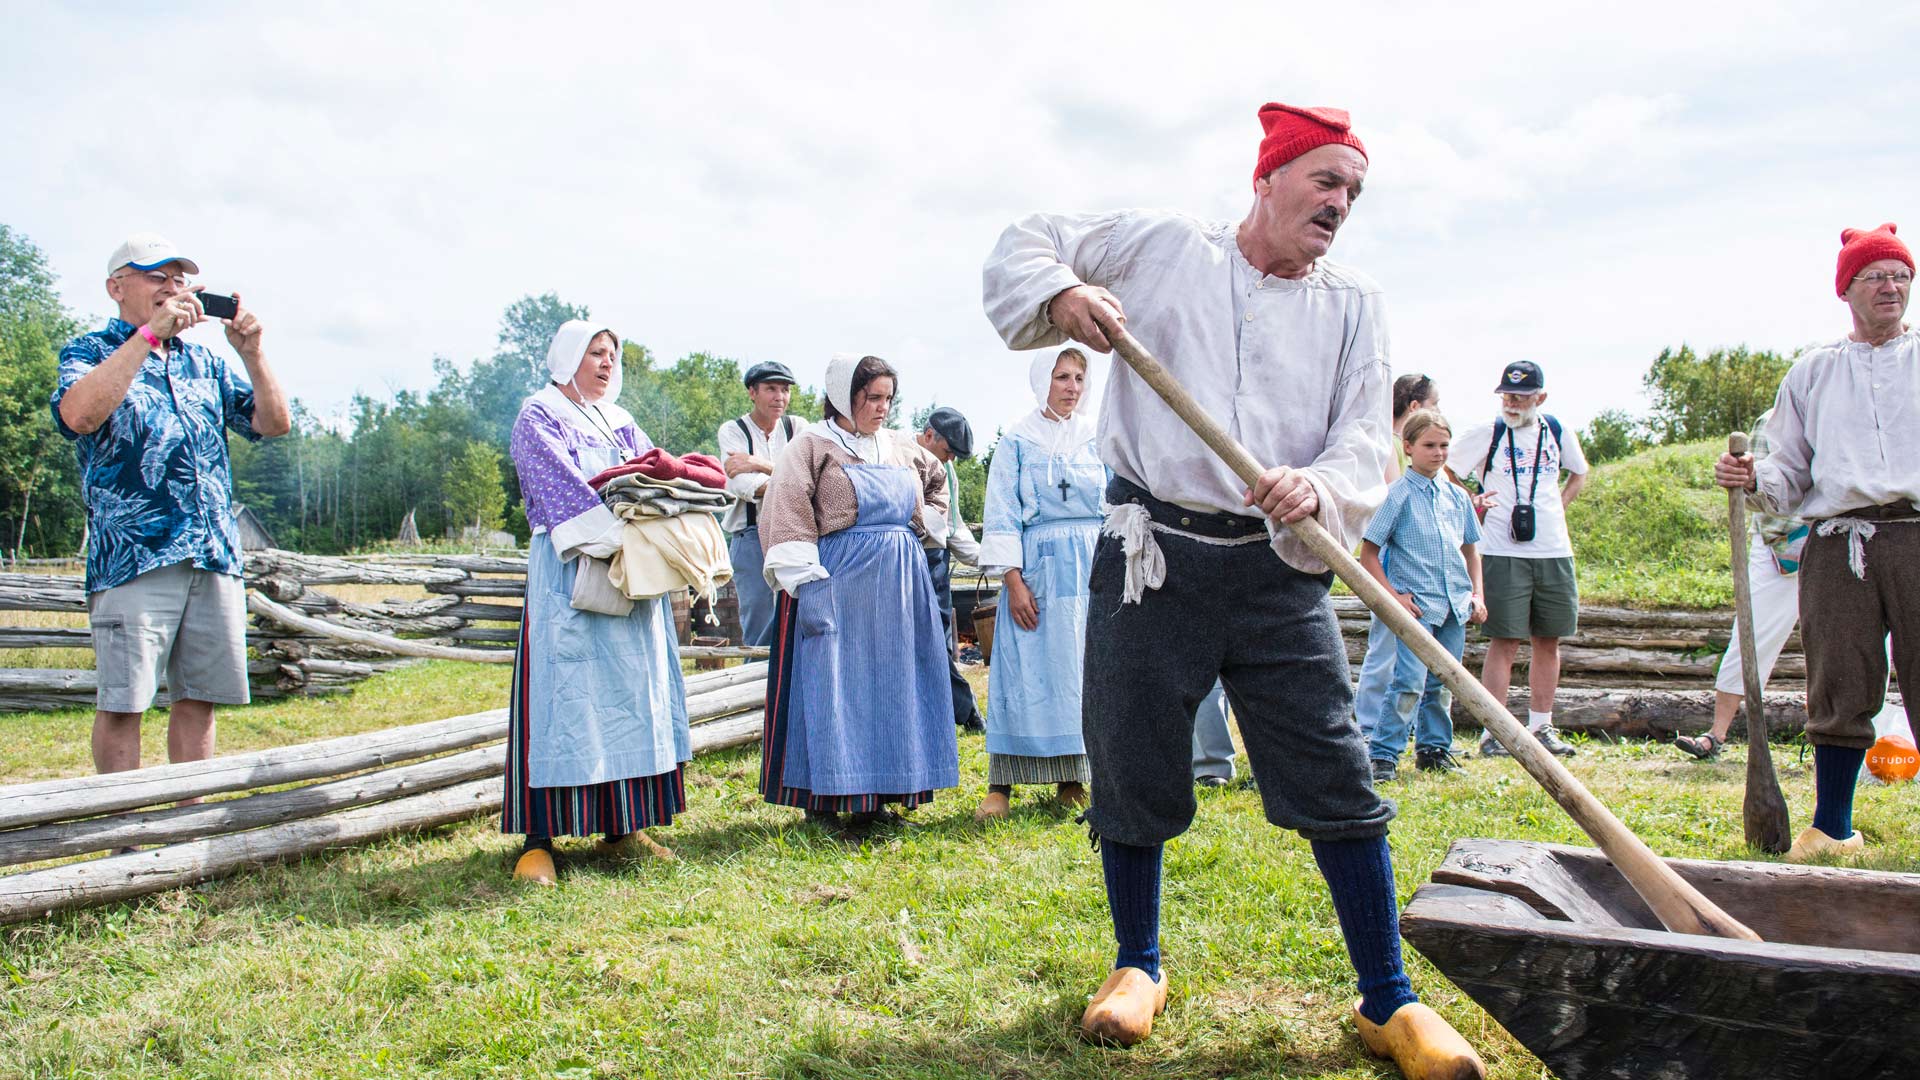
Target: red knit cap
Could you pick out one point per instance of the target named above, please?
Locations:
(1292, 131)
(1858, 247)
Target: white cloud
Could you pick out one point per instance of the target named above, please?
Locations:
(1580, 187)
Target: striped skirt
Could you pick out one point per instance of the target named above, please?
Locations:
(613, 808)
(773, 745)
(1019, 769)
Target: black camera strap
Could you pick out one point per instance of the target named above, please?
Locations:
(1513, 462)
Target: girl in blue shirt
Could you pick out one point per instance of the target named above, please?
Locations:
(1428, 525)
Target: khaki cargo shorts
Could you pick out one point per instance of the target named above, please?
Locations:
(1530, 598)
(190, 621)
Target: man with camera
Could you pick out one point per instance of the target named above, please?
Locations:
(1518, 460)
(148, 415)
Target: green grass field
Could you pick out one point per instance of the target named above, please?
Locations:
(769, 949)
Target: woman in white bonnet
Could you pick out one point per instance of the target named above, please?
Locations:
(597, 723)
(859, 711)
(1042, 522)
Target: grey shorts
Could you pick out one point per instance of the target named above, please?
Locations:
(1530, 598)
(190, 621)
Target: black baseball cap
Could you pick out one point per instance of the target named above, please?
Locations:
(950, 425)
(1522, 377)
(768, 371)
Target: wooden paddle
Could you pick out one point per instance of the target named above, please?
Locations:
(1763, 812)
(1678, 905)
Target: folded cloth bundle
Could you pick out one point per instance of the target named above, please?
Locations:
(660, 465)
(659, 555)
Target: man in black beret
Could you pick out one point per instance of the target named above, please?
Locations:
(749, 445)
(948, 436)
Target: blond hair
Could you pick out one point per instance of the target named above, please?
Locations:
(1419, 421)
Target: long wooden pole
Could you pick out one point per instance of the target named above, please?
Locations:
(1678, 905)
(1763, 811)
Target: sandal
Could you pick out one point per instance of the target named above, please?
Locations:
(1704, 747)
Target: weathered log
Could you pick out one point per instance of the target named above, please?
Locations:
(724, 652)
(173, 824)
(46, 637)
(119, 877)
(84, 796)
(733, 676)
(482, 612)
(481, 587)
(473, 564)
(727, 699)
(266, 608)
(322, 570)
(505, 635)
(1656, 714)
(45, 594)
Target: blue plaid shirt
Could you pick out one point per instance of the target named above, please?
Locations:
(156, 479)
(1421, 526)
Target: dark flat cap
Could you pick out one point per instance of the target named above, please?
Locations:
(768, 371)
(951, 426)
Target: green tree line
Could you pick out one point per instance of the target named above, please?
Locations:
(347, 484)
(1694, 397)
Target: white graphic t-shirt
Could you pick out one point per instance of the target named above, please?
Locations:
(1532, 446)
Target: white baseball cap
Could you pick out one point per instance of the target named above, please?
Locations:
(145, 251)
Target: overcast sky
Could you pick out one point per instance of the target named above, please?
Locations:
(782, 182)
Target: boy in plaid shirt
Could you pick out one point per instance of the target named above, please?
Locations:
(1429, 526)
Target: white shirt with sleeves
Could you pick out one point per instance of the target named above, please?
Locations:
(1296, 370)
(1845, 433)
(746, 486)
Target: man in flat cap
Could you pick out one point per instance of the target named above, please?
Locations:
(148, 414)
(1194, 579)
(948, 436)
(1844, 456)
(749, 446)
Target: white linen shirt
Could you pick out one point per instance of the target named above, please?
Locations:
(1845, 433)
(1296, 370)
(746, 486)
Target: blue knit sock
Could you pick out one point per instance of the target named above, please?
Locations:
(1133, 897)
(1835, 770)
(1360, 875)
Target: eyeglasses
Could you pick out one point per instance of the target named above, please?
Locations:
(1877, 278)
(157, 279)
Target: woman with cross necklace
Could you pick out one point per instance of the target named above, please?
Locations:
(1042, 520)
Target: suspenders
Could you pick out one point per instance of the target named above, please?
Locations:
(786, 424)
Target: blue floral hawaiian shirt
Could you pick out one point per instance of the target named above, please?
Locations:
(156, 479)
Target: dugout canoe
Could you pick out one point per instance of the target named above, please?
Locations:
(1554, 944)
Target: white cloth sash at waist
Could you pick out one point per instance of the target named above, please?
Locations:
(1133, 526)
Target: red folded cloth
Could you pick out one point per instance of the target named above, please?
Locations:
(657, 464)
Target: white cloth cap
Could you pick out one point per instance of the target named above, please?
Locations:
(840, 382)
(569, 347)
(146, 251)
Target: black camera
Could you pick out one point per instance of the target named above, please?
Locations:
(1523, 523)
(217, 306)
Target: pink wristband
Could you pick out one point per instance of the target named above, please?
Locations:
(146, 331)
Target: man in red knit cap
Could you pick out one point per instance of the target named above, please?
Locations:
(1850, 406)
(1194, 579)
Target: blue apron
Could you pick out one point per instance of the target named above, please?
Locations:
(870, 711)
(1033, 691)
(605, 697)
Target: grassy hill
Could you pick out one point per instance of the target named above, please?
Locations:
(1651, 531)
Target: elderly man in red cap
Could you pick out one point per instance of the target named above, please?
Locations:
(1845, 439)
(1193, 581)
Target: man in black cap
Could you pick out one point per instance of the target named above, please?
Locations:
(749, 446)
(1527, 554)
(948, 436)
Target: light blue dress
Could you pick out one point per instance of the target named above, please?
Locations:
(1049, 504)
(859, 709)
